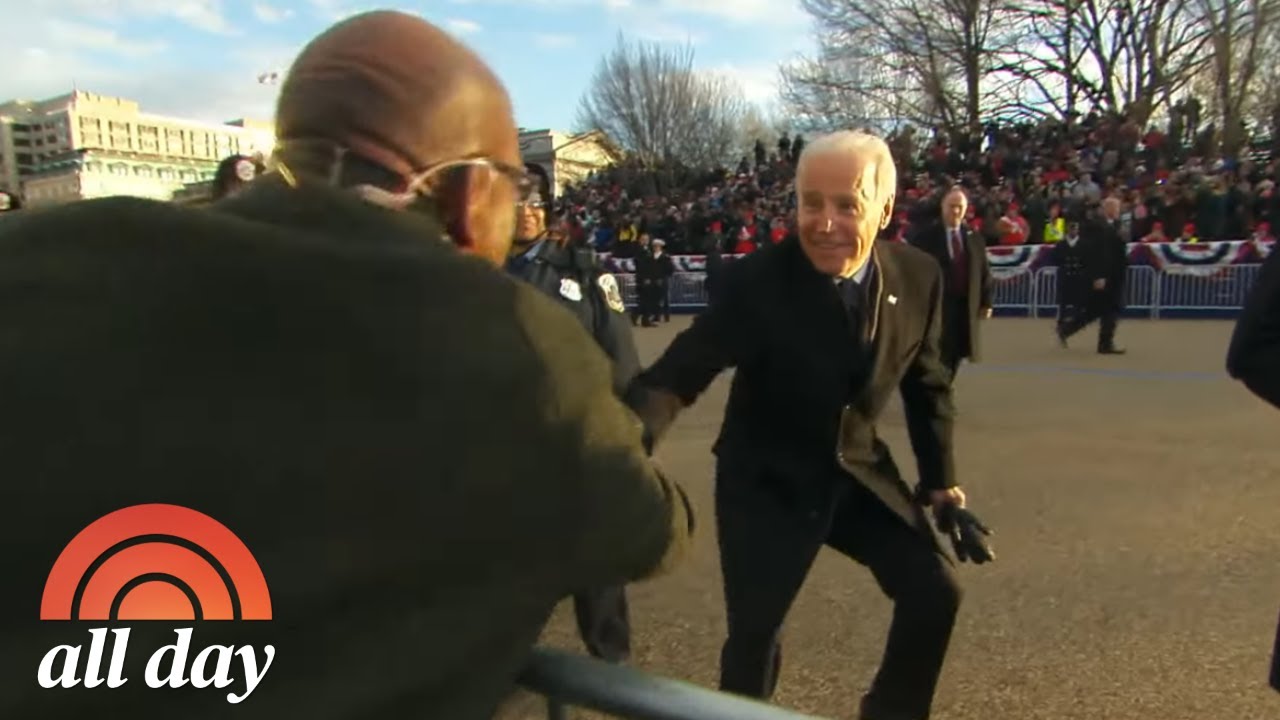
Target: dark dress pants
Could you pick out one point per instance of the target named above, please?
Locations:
(1099, 306)
(604, 623)
(955, 332)
(766, 550)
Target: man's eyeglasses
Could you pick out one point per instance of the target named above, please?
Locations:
(525, 185)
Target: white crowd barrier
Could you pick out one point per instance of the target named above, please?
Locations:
(1172, 292)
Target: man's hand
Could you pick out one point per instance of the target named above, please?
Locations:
(986, 312)
(1100, 284)
(967, 533)
(951, 496)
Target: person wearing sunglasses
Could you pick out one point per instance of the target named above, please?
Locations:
(423, 455)
(575, 280)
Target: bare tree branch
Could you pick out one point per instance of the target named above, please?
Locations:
(649, 99)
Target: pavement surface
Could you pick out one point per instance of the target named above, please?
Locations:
(1136, 504)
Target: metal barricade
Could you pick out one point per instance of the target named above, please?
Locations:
(686, 290)
(1141, 289)
(569, 680)
(1188, 290)
(1175, 290)
(1011, 291)
(628, 283)
(1044, 293)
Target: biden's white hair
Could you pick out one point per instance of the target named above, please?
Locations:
(858, 144)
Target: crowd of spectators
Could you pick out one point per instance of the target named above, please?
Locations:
(1024, 181)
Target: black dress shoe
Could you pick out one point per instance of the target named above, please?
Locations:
(1062, 339)
(1111, 351)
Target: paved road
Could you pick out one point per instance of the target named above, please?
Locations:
(1137, 505)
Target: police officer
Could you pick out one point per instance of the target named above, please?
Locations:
(572, 276)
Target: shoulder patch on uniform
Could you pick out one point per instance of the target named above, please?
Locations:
(571, 289)
(612, 293)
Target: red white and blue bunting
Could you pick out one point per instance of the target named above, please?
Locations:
(1011, 261)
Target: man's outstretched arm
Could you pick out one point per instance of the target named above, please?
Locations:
(623, 520)
(718, 339)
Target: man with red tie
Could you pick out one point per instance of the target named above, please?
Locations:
(966, 278)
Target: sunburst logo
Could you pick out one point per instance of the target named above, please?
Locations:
(155, 562)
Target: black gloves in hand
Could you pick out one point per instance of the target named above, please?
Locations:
(968, 534)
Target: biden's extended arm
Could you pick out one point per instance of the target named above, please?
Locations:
(622, 519)
(718, 339)
(1254, 354)
(926, 399)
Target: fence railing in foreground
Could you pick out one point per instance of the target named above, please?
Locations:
(1174, 290)
(567, 680)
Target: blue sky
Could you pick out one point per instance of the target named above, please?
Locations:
(200, 58)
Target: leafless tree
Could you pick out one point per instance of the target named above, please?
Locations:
(844, 87)
(932, 62)
(762, 126)
(1127, 57)
(651, 101)
(1239, 32)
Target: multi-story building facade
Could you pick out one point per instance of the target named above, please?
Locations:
(84, 145)
(568, 159)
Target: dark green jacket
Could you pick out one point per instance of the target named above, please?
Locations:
(423, 454)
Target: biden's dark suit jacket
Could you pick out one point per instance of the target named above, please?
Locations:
(806, 395)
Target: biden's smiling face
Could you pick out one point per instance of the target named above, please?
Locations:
(841, 209)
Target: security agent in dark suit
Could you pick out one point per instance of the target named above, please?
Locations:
(571, 276)
(1254, 359)
(966, 279)
(821, 330)
(1109, 266)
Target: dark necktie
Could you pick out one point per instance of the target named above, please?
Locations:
(851, 296)
(959, 263)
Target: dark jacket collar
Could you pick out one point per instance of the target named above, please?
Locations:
(329, 211)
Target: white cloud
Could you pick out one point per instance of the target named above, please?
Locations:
(203, 14)
(759, 83)
(774, 13)
(269, 14)
(661, 31)
(206, 15)
(554, 41)
(462, 26)
(64, 33)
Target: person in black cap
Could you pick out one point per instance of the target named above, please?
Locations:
(571, 275)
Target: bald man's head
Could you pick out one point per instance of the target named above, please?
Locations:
(396, 90)
(845, 186)
(401, 94)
